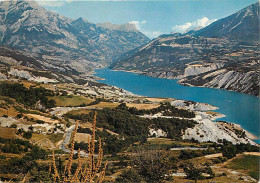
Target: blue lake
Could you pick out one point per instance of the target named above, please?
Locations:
(239, 108)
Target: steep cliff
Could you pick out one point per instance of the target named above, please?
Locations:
(245, 82)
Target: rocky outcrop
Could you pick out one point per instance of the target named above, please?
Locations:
(207, 130)
(194, 106)
(29, 76)
(244, 82)
(192, 70)
(157, 133)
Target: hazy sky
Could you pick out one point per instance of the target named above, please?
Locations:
(151, 17)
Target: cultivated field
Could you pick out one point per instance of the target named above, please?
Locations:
(143, 106)
(105, 105)
(63, 101)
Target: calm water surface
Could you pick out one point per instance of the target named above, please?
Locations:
(239, 108)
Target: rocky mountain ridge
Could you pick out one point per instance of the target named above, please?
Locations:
(55, 39)
(242, 25)
(203, 58)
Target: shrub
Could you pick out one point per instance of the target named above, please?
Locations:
(30, 128)
(27, 135)
(40, 121)
(13, 126)
(229, 151)
(28, 97)
(153, 165)
(129, 176)
(19, 115)
(192, 172)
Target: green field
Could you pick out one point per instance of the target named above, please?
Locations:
(247, 163)
(63, 101)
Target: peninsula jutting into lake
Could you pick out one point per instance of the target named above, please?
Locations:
(228, 103)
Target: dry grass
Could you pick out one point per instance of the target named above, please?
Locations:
(80, 111)
(222, 179)
(252, 153)
(11, 112)
(156, 99)
(57, 137)
(235, 54)
(160, 141)
(43, 118)
(82, 137)
(86, 125)
(106, 105)
(71, 101)
(8, 133)
(213, 155)
(42, 140)
(170, 141)
(37, 137)
(10, 155)
(28, 84)
(143, 106)
(212, 112)
(89, 125)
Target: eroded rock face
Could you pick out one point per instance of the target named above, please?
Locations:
(208, 130)
(245, 82)
(157, 133)
(198, 69)
(30, 77)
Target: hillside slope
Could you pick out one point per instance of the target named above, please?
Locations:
(230, 44)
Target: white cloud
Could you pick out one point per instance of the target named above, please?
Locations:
(197, 24)
(59, 3)
(138, 24)
(53, 3)
(152, 34)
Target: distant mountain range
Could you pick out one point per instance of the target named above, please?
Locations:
(224, 54)
(122, 27)
(211, 57)
(75, 44)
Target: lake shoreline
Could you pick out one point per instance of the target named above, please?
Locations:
(148, 87)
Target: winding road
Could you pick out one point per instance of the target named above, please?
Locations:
(59, 111)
